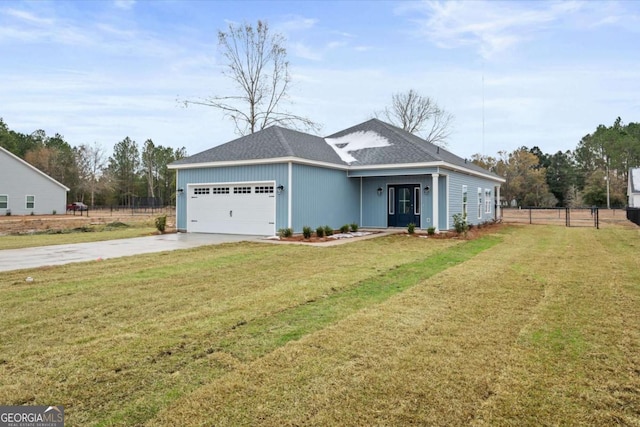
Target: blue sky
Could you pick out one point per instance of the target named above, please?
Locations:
(100, 71)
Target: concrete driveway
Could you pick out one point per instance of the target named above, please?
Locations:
(17, 259)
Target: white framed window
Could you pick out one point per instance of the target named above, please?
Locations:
(201, 190)
(479, 202)
(241, 190)
(220, 190)
(263, 189)
(416, 200)
(4, 201)
(487, 200)
(392, 201)
(30, 202)
(464, 201)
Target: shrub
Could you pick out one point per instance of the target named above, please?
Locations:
(431, 231)
(411, 228)
(354, 227)
(344, 228)
(306, 232)
(285, 232)
(32, 213)
(54, 212)
(161, 223)
(460, 224)
(328, 231)
(320, 231)
(8, 212)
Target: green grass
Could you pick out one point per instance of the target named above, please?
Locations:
(91, 233)
(524, 326)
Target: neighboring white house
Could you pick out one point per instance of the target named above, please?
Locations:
(26, 190)
(634, 188)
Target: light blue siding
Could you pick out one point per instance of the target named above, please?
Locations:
(270, 172)
(456, 181)
(323, 196)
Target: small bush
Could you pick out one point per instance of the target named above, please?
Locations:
(411, 228)
(344, 228)
(328, 231)
(161, 223)
(460, 224)
(320, 231)
(354, 227)
(306, 232)
(8, 212)
(32, 213)
(431, 231)
(54, 212)
(285, 232)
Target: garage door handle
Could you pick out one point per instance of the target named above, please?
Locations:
(230, 213)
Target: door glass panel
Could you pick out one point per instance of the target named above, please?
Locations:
(404, 200)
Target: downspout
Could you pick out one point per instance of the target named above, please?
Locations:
(289, 195)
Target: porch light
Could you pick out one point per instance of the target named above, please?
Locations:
(180, 190)
(280, 188)
(426, 189)
(379, 191)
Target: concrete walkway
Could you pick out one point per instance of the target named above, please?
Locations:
(17, 259)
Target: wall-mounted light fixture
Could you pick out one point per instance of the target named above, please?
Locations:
(280, 188)
(379, 191)
(426, 189)
(180, 190)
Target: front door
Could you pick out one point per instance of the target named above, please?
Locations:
(403, 205)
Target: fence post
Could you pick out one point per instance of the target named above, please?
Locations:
(530, 216)
(567, 217)
(597, 219)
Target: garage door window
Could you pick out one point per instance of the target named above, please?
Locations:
(221, 190)
(263, 189)
(202, 190)
(241, 190)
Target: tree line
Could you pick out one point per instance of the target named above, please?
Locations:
(131, 176)
(594, 174)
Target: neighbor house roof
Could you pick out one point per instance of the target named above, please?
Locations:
(371, 144)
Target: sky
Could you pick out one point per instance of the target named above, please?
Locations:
(511, 73)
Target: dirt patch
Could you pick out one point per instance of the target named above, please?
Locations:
(39, 223)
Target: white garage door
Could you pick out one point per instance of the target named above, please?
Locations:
(238, 208)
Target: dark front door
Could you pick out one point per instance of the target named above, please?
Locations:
(403, 205)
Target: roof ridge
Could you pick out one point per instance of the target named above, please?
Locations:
(283, 140)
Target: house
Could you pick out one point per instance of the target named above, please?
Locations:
(25, 190)
(373, 174)
(633, 189)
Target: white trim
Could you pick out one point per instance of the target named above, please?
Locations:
(253, 162)
(435, 202)
(289, 195)
(360, 202)
(298, 160)
(30, 166)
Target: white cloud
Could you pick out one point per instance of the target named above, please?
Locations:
(296, 23)
(490, 27)
(124, 4)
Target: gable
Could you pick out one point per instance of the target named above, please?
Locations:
(11, 163)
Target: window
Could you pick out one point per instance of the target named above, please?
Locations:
(4, 201)
(31, 202)
(263, 189)
(479, 202)
(416, 201)
(201, 190)
(220, 190)
(392, 200)
(464, 201)
(241, 190)
(487, 200)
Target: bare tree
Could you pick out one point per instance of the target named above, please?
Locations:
(257, 64)
(420, 115)
(91, 163)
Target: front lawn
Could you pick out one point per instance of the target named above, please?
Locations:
(528, 325)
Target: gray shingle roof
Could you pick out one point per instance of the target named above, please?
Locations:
(270, 143)
(277, 142)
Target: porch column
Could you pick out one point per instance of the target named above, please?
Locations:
(498, 207)
(434, 199)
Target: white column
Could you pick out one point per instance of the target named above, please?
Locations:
(498, 207)
(434, 198)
